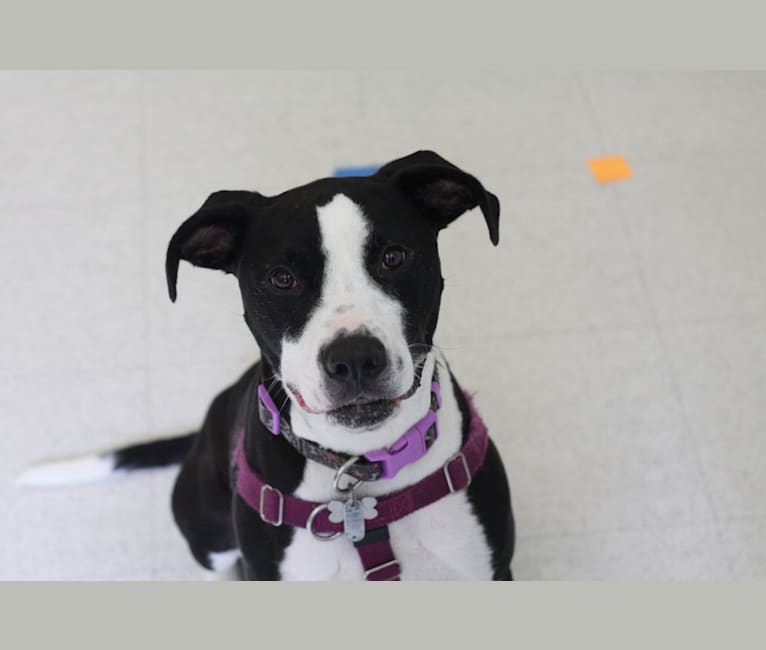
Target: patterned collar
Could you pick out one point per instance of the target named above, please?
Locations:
(371, 466)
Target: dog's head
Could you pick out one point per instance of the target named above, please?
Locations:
(340, 278)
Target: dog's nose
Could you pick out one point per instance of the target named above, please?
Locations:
(354, 360)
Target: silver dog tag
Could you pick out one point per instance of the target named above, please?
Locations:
(353, 513)
(353, 520)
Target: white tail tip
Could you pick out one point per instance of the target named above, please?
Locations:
(68, 472)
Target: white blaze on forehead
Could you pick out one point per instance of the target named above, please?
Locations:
(344, 233)
(350, 299)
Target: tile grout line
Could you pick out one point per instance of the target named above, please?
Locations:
(595, 329)
(658, 329)
(361, 96)
(628, 528)
(753, 95)
(141, 101)
(678, 394)
(129, 367)
(634, 528)
(556, 167)
(141, 108)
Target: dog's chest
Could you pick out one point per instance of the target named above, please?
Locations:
(443, 541)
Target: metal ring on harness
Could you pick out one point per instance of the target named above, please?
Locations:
(310, 524)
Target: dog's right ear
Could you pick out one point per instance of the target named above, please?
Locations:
(212, 236)
(441, 190)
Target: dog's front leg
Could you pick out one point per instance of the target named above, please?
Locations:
(262, 545)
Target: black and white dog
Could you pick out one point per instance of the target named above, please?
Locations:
(349, 451)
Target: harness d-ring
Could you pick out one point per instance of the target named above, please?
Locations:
(310, 524)
(341, 471)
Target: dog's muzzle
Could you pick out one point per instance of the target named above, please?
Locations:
(356, 377)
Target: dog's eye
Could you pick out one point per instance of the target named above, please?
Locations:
(393, 257)
(282, 279)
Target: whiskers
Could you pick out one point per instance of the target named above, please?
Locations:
(269, 382)
(419, 360)
(420, 350)
(419, 353)
(284, 403)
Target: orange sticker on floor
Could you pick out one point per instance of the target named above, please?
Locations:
(610, 168)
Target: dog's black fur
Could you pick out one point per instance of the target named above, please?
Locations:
(214, 519)
(408, 201)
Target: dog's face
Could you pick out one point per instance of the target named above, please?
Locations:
(340, 279)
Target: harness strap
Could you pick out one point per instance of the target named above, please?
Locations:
(375, 551)
(377, 556)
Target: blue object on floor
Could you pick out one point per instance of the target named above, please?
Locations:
(356, 171)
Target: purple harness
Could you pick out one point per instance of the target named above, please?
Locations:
(374, 547)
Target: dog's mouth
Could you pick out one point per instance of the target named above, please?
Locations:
(363, 412)
(363, 415)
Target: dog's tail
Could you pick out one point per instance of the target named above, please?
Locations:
(86, 469)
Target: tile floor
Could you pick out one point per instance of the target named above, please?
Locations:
(616, 338)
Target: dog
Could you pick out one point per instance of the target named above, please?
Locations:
(349, 451)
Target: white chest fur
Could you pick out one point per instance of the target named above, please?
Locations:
(443, 541)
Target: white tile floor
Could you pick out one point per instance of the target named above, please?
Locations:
(616, 337)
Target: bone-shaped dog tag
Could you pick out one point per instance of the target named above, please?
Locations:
(353, 514)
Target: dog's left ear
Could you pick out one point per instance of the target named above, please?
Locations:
(213, 235)
(441, 190)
